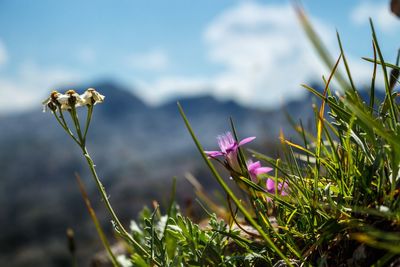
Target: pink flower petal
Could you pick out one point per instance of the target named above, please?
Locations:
(226, 142)
(231, 148)
(262, 170)
(252, 166)
(213, 154)
(246, 140)
(270, 185)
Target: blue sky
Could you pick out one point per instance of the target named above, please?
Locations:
(240, 50)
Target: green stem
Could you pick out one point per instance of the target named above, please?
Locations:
(109, 207)
(101, 187)
(64, 125)
(88, 119)
(81, 142)
(75, 119)
(74, 261)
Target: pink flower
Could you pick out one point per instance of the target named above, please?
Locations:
(255, 169)
(229, 149)
(271, 187)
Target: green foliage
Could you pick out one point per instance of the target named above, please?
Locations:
(175, 240)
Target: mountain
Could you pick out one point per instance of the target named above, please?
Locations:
(137, 149)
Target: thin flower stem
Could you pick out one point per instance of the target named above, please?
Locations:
(88, 119)
(81, 143)
(67, 128)
(74, 260)
(60, 122)
(63, 124)
(75, 119)
(109, 207)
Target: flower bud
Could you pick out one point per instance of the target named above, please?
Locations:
(71, 99)
(71, 240)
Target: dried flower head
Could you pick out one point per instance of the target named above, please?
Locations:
(92, 97)
(51, 102)
(72, 99)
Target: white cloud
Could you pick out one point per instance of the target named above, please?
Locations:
(171, 86)
(264, 56)
(3, 54)
(152, 60)
(263, 53)
(31, 85)
(380, 14)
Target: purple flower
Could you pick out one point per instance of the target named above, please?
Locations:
(229, 149)
(271, 187)
(255, 169)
